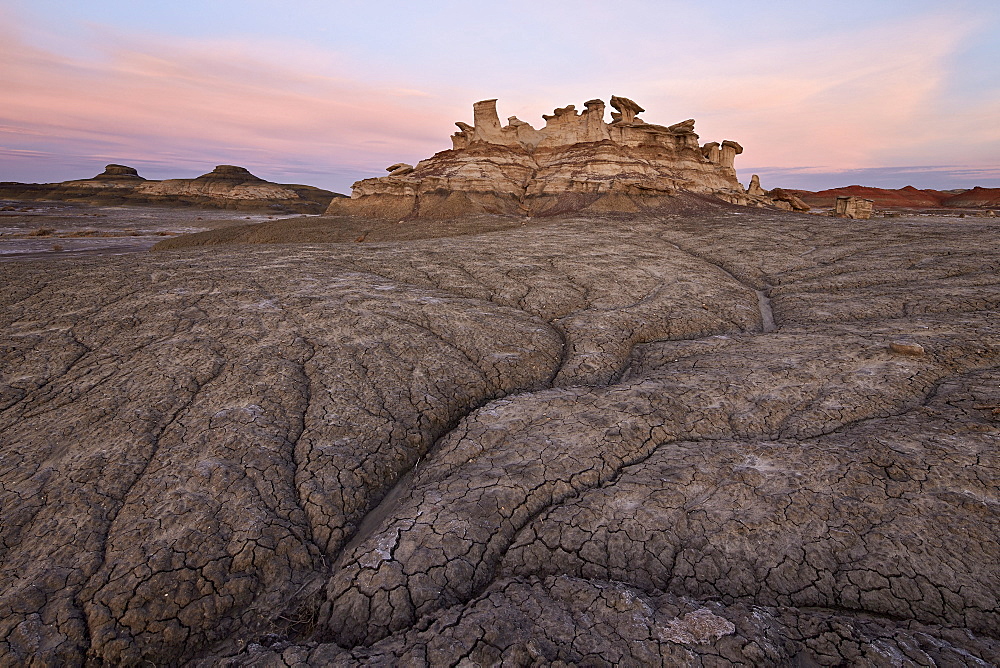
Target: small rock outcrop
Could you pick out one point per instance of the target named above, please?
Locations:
(399, 169)
(225, 187)
(778, 198)
(856, 208)
(576, 162)
(754, 188)
(907, 348)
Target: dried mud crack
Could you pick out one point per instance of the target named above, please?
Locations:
(647, 441)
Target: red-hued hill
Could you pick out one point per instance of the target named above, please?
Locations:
(985, 197)
(884, 198)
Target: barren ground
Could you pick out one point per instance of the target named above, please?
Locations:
(671, 441)
(69, 230)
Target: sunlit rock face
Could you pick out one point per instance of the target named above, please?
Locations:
(576, 162)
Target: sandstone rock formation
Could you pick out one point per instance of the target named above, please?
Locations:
(857, 208)
(225, 187)
(777, 198)
(576, 162)
(755, 188)
(783, 199)
(683, 441)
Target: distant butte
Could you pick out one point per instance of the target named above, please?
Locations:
(225, 187)
(576, 162)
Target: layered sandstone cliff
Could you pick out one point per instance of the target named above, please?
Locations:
(225, 187)
(577, 161)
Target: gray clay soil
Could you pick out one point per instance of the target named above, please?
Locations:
(678, 441)
(69, 230)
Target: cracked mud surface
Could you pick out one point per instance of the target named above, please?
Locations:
(580, 443)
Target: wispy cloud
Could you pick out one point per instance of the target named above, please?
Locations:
(213, 102)
(862, 97)
(854, 99)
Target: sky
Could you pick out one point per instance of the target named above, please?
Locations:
(820, 94)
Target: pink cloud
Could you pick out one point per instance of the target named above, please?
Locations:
(864, 98)
(193, 102)
(872, 96)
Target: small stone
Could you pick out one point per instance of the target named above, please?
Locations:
(907, 348)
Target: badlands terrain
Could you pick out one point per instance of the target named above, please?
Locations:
(566, 396)
(729, 436)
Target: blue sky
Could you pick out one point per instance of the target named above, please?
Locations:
(820, 94)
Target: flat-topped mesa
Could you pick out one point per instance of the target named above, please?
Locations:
(225, 187)
(120, 172)
(576, 162)
(231, 173)
(114, 178)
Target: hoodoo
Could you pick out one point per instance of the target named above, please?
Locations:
(576, 162)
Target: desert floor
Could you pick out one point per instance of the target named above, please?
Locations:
(36, 230)
(677, 440)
